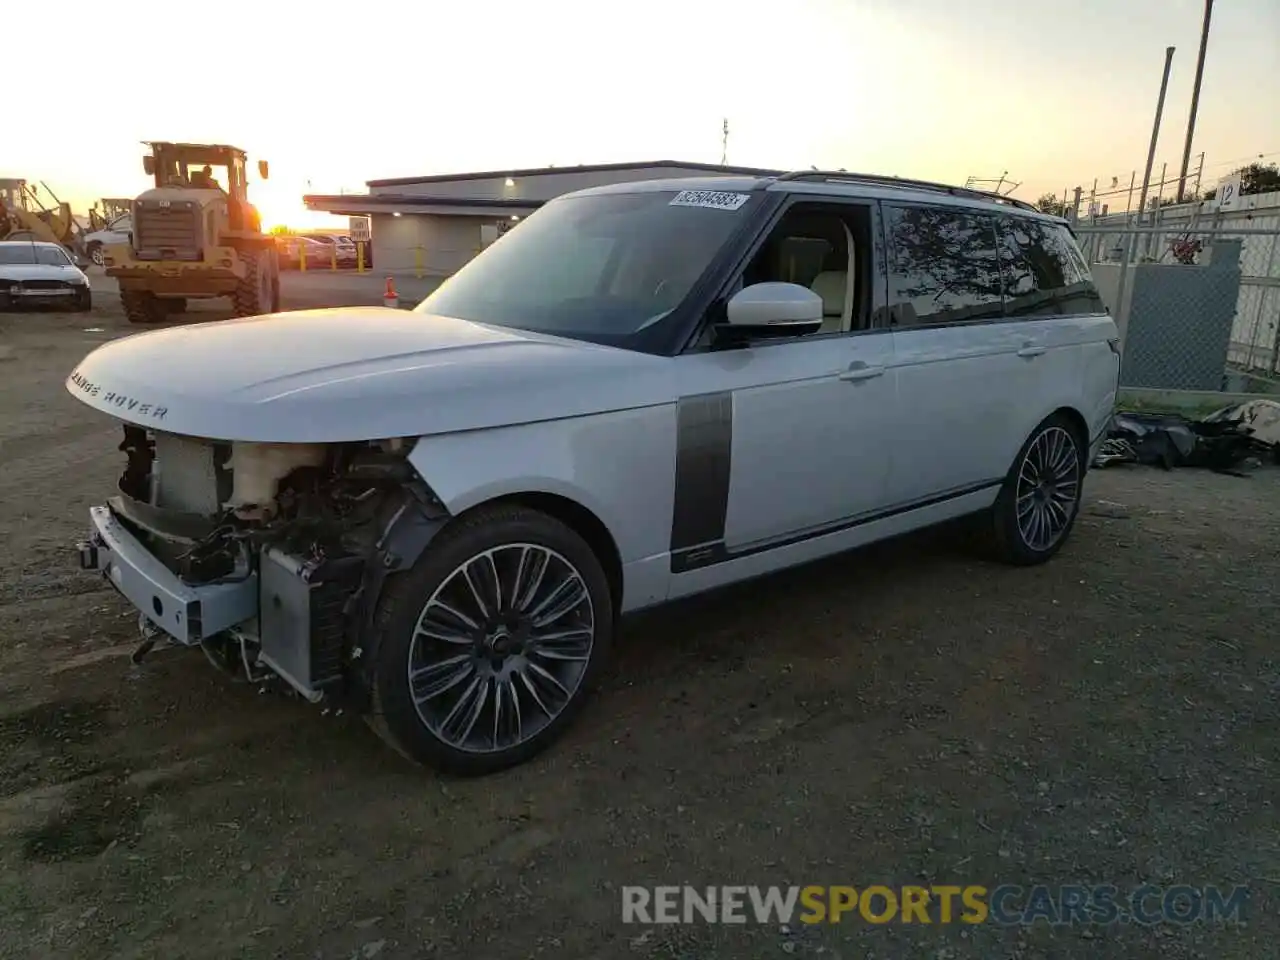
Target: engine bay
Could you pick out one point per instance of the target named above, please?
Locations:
(305, 525)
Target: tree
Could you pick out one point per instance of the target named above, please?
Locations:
(1259, 178)
(1050, 204)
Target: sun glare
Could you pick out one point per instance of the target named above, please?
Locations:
(280, 205)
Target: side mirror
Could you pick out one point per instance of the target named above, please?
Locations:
(263, 169)
(774, 310)
(149, 165)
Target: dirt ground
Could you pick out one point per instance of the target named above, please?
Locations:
(904, 714)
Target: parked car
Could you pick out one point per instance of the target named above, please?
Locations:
(342, 246)
(119, 230)
(647, 391)
(291, 250)
(33, 272)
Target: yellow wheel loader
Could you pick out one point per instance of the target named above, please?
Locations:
(24, 216)
(195, 236)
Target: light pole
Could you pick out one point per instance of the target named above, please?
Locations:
(1195, 99)
(1155, 133)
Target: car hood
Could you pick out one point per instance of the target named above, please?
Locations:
(38, 271)
(362, 373)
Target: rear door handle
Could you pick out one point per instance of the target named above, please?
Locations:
(861, 371)
(1032, 349)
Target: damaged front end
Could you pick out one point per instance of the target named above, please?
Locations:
(269, 557)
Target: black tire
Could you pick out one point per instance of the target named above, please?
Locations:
(1019, 542)
(254, 294)
(95, 252)
(83, 300)
(175, 305)
(142, 306)
(508, 531)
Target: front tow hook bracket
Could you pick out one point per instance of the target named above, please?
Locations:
(150, 636)
(88, 554)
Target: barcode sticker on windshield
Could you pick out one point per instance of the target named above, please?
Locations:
(709, 198)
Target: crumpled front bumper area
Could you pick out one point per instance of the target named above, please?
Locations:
(189, 614)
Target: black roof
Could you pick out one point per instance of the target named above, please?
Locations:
(581, 168)
(325, 200)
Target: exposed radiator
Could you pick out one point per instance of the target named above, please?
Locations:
(186, 475)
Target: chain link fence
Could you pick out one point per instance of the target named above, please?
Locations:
(1197, 301)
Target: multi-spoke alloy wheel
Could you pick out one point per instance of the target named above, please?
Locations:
(488, 646)
(1038, 503)
(500, 647)
(1048, 488)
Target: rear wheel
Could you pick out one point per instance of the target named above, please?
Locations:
(256, 292)
(1040, 499)
(142, 306)
(488, 647)
(95, 253)
(176, 305)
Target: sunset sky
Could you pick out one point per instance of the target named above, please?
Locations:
(1057, 93)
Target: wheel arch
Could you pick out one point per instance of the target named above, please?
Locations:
(1064, 409)
(1078, 422)
(579, 518)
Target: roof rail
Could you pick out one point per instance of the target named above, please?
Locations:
(841, 176)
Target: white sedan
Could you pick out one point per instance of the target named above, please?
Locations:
(35, 272)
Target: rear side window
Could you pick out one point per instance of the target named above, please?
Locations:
(1044, 272)
(943, 264)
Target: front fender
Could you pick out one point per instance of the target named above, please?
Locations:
(620, 466)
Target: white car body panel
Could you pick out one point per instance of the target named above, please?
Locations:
(620, 466)
(357, 373)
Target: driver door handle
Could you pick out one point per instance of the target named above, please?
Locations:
(1032, 349)
(858, 371)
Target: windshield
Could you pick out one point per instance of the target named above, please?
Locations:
(598, 267)
(28, 253)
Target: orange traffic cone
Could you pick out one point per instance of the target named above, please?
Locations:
(389, 296)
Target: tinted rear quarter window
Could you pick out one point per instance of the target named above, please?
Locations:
(1044, 273)
(943, 264)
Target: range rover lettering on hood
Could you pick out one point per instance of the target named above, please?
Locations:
(120, 400)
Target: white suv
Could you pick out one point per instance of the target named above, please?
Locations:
(647, 391)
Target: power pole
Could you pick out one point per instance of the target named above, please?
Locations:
(1195, 98)
(1155, 133)
(724, 143)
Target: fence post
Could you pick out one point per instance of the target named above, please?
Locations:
(1262, 302)
(1121, 287)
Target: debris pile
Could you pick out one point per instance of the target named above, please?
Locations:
(1221, 441)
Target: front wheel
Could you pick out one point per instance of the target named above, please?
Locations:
(95, 253)
(142, 306)
(489, 646)
(255, 293)
(83, 300)
(1040, 499)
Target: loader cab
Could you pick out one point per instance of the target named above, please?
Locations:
(214, 167)
(207, 166)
